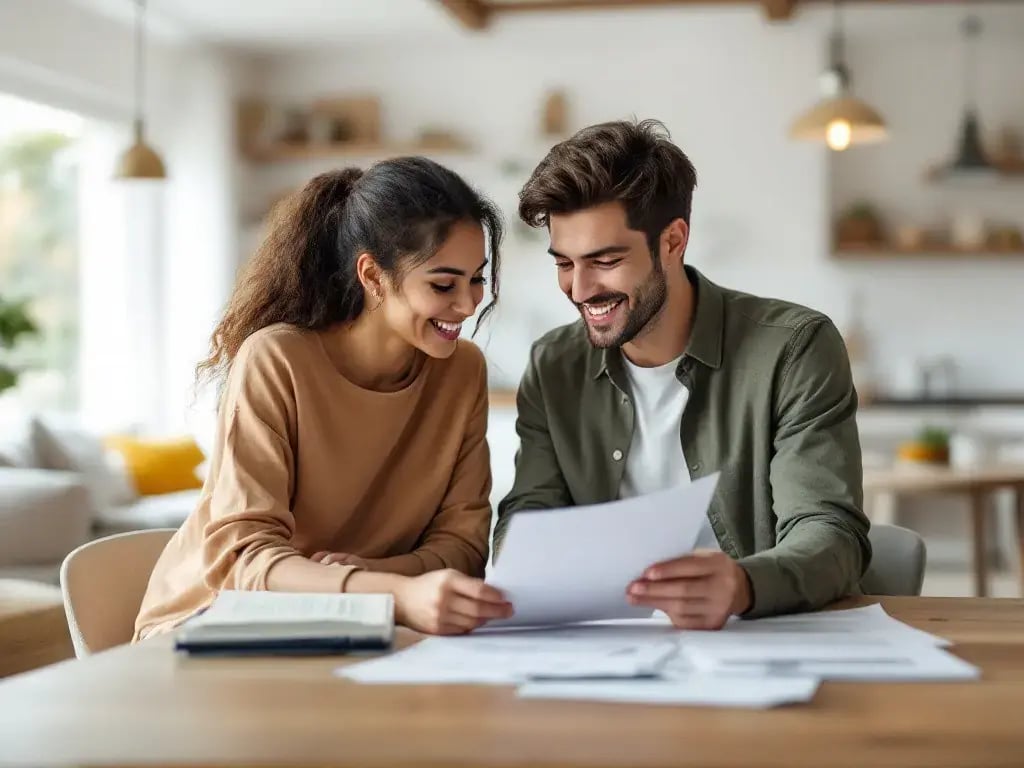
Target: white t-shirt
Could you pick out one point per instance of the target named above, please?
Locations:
(656, 461)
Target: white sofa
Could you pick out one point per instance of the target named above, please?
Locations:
(58, 489)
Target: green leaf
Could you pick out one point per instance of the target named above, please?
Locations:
(8, 378)
(935, 437)
(15, 322)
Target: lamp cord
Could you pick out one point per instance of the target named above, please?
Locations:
(838, 43)
(140, 64)
(971, 29)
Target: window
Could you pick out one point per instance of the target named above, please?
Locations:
(39, 248)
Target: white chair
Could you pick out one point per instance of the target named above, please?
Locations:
(103, 583)
(897, 562)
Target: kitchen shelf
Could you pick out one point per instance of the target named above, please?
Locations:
(284, 152)
(1006, 170)
(858, 251)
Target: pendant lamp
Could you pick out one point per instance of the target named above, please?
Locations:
(970, 160)
(839, 118)
(140, 161)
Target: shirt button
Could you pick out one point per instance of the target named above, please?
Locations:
(695, 466)
(617, 455)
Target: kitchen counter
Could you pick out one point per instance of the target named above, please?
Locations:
(506, 398)
(966, 400)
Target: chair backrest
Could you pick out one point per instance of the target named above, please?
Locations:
(897, 562)
(103, 583)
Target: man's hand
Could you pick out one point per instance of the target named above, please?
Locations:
(698, 591)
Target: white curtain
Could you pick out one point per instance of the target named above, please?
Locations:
(122, 295)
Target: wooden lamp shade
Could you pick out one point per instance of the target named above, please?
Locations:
(866, 125)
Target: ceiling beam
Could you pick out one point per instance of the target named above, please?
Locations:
(774, 10)
(513, 6)
(472, 14)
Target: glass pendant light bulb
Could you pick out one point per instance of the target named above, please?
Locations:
(838, 134)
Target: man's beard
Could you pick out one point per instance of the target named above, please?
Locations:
(646, 303)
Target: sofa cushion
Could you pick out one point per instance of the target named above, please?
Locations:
(165, 510)
(44, 514)
(47, 573)
(17, 448)
(121, 490)
(70, 449)
(160, 466)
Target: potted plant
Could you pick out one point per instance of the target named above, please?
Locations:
(15, 323)
(931, 446)
(859, 225)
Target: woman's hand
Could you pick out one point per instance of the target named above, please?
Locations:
(341, 558)
(448, 602)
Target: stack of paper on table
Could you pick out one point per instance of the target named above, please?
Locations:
(749, 663)
(622, 661)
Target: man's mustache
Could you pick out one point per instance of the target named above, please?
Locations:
(602, 298)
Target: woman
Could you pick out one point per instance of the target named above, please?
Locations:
(351, 452)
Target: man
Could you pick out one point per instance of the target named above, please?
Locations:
(668, 377)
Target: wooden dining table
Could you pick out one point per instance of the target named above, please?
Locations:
(977, 484)
(148, 705)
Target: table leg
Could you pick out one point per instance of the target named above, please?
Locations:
(978, 509)
(1019, 493)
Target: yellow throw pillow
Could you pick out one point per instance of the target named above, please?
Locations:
(159, 466)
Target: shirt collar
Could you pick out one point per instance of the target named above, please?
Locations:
(705, 343)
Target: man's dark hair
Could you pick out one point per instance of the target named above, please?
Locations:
(633, 163)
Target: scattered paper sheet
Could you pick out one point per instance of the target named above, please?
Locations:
(858, 644)
(869, 619)
(695, 689)
(600, 550)
(520, 656)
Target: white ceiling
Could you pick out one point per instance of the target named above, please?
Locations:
(274, 25)
(280, 24)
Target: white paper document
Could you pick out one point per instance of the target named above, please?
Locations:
(871, 619)
(516, 657)
(251, 606)
(569, 565)
(696, 690)
(860, 644)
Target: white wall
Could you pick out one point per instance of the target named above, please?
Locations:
(144, 327)
(727, 85)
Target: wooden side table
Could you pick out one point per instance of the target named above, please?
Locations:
(33, 626)
(977, 484)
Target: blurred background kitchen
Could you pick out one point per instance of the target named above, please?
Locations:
(864, 158)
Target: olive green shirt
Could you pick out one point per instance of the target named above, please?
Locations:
(772, 407)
